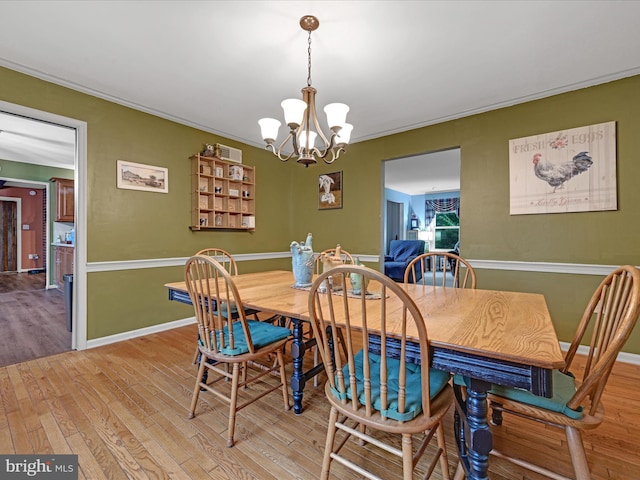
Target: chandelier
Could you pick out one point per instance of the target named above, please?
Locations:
(304, 128)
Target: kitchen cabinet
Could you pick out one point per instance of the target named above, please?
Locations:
(62, 264)
(222, 194)
(65, 199)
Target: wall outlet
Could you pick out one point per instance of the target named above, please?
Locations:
(25, 226)
(33, 256)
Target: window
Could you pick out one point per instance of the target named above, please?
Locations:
(447, 230)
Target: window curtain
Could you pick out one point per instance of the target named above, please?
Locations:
(440, 205)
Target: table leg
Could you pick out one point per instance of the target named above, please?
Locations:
(297, 354)
(473, 435)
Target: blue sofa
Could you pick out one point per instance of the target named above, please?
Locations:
(401, 252)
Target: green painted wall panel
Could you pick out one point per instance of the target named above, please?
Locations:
(27, 171)
(131, 299)
(125, 300)
(129, 225)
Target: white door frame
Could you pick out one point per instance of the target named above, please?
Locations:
(79, 320)
(47, 242)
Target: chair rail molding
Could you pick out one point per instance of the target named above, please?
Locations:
(115, 265)
(545, 267)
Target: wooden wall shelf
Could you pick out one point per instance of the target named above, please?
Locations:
(223, 194)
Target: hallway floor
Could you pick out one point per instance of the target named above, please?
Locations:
(32, 319)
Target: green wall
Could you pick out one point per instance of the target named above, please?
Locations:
(130, 225)
(488, 231)
(28, 171)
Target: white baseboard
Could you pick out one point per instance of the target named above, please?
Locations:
(624, 357)
(98, 342)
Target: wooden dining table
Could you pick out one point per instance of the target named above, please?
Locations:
(488, 336)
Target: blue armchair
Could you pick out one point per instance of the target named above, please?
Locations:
(401, 252)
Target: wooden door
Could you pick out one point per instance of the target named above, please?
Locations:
(8, 236)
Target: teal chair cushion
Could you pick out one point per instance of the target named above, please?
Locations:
(413, 405)
(564, 387)
(262, 334)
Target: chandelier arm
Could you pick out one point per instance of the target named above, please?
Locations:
(329, 147)
(311, 119)
(270, 146)
(314, 118)
(335, 154)
(292, 136)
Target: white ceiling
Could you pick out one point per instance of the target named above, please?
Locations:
(30, 141)
(399, 65)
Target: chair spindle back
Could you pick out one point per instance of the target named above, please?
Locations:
(610, 315)
(215, 297)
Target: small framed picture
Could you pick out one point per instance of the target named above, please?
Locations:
(330, 191)
(136, 176)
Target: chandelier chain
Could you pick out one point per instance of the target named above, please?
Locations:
(309, 65)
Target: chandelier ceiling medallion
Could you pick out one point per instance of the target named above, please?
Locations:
(304, 128)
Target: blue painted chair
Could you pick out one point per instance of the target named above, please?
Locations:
(378, 391)
(232, 347)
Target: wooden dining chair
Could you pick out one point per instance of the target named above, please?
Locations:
(608, 319)
(223, 257)
(346, 257)
(333, 257)
(447, 269)
(231, 345)
(382, 399)
(227, 261)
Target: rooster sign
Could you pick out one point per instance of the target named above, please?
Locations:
(568, 171)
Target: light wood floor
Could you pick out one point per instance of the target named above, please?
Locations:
(122, 409)
(32, 319)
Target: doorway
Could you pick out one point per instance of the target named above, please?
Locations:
(411, 181)
(78, 128)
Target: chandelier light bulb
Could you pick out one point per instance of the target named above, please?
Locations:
(269, 128)
(294, 109)
(336, 114)
(344, 135)
(303, 139)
